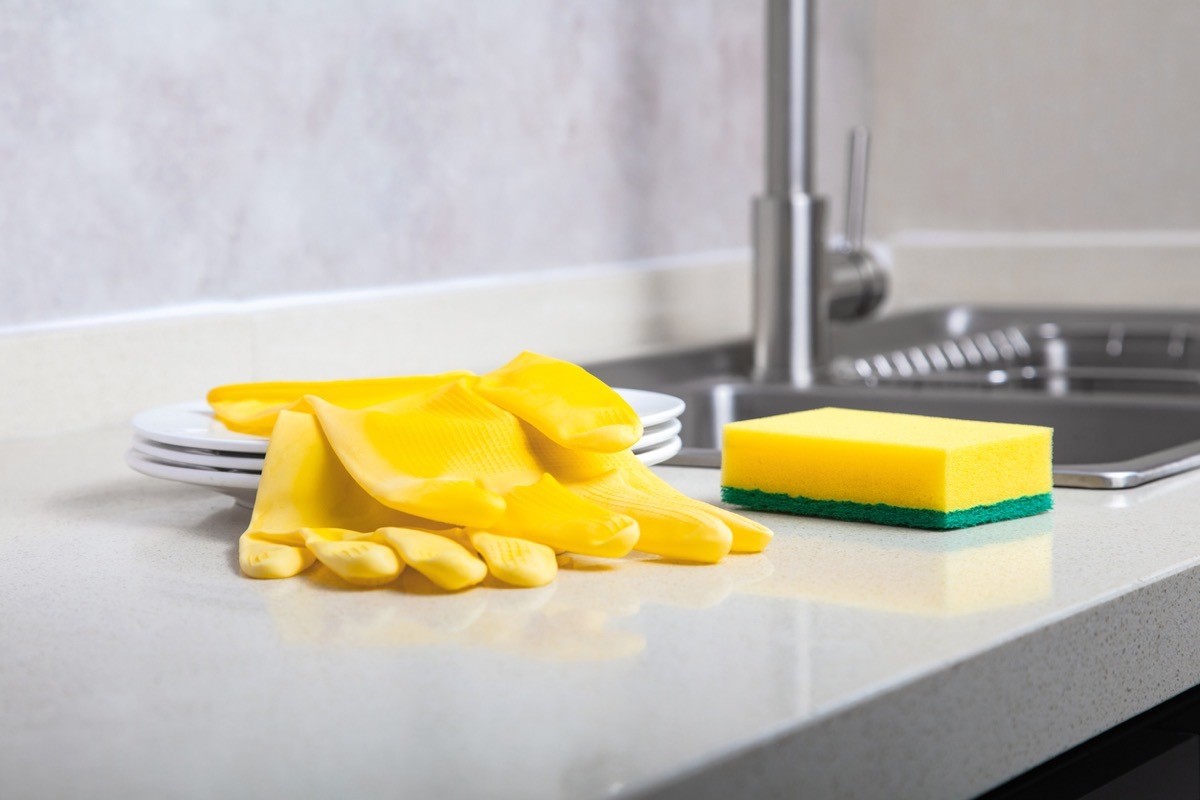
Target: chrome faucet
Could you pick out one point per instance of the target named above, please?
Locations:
(799, 284)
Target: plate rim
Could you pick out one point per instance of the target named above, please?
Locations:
(664, 433)
(663, 452)
(236, 443)
(190, 457)
(194, 475)
(672, 409)
(243, 486)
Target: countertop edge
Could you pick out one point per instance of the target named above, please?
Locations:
(1106, 664)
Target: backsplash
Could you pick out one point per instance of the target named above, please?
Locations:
(157, 154)
(1038, 152)
(1024, 115)
(161, 155)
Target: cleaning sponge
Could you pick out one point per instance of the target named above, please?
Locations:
(896, 469)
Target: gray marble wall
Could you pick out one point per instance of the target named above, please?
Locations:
(161, 153)
(1033, 116)
(158, 153)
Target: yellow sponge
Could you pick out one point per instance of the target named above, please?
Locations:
(897, 469)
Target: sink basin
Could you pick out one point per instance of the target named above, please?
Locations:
(1120, 389)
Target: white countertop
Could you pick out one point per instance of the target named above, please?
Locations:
(851, 660)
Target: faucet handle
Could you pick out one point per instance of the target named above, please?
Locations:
(856, 283)
(858, 153)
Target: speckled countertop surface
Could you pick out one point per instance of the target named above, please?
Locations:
(850, 660)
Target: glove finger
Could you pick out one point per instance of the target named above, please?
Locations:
(670, 527)
(577, 469)
(516, 561)
(439, 558)
(273, 555)
(253, 407)
(551, 515)
(748, 535)
(354, 556)
(563, 401)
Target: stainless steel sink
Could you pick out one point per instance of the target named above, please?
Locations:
(1120, 389)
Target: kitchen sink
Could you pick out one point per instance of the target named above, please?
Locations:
(1120, 388)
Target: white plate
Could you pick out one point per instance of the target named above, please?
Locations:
(210, 460)
(661, 453)
(653, 436)
(192, 425)
(247, 462)
(657, 434)
(654, 408)
(241, 486)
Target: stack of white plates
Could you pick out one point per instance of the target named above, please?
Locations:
(184, 443)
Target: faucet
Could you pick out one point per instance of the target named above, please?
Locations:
(800, 285)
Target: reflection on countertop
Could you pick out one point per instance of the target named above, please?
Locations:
(580, 616)
(586, 613)
(939, 573)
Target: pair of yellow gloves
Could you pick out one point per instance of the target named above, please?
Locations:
(458, 475)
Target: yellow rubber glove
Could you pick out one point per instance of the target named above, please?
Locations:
(560, 399)
(441, 455)
(253, 407)
(309, 508)
(452, 456)
(579, 413)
